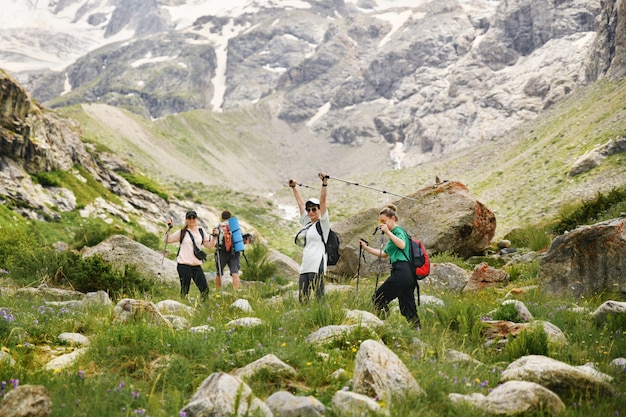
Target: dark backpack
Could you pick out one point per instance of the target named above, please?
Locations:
(332, 245)
(418, 258)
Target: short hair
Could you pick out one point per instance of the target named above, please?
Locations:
(226, 215)
(390, 211)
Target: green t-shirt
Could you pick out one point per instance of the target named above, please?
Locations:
(394, 253)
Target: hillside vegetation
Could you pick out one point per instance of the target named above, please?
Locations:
(135, 368)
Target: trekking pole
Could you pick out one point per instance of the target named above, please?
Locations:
(167, 235)
(305, 186)
(380, 257)
(219, 264)
(358, 272)
(371, 188)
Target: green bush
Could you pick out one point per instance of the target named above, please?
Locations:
(94, 274)
(532, 237)
(257, 267)
(532, 341)
(589, 212)
(47, 179)
(462, 318)
(93, 233)
(507, 312)
(452, 258)
(523, 271)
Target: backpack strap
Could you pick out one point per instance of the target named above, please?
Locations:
(318, 226)
(191, 236)
(305, 229)
(407, 245)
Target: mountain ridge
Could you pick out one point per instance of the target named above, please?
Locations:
(417, 81)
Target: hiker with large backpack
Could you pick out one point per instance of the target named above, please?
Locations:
(226, 253)
(190, 255)
(401, 283)
(313, 239)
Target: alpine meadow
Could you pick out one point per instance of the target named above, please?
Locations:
(98, 156)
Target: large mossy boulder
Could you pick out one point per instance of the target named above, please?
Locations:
(586, 261)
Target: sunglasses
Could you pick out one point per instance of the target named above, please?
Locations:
(191, 217)
(313, 209)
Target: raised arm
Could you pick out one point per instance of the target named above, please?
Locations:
(324, 179)
(296, 194)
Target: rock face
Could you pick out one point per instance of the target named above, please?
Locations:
(589, 260)
(34, 141)
(445, 217)
(36, 138)
(608, 55)
(421, 81)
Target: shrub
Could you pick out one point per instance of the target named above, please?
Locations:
(257, 267)
(47, 179)
(533, 237)
(589, 211)
(94, 233)
(523, 271)
(94, 274)
(532, 341)
(453, 258)
(462, 318)
(506, 312)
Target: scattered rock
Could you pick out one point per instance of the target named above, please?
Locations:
(378, 372)
(609, 308)
(64, 361)
(269, 363)
(245, 322)
(26, 401)
(445, 277)
(485, 276)
(514, 398)
(285, 404)
(565, 380)
(588, 260)
(224, 395)
(74, 338)
(352, 404)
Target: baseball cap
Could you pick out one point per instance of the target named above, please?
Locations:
(312, 202)
(191, 213)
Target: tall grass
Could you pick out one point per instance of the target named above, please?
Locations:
(138, 368)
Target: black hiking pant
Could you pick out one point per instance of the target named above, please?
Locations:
(311, 281)
(401, 285)
(188, 272)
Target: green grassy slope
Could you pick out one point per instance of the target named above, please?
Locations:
(521, 176)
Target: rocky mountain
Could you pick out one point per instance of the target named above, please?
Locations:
(34, 140)
(417, 80)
